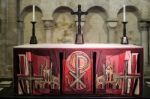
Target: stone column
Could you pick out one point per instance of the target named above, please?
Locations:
(144, 39)
(48, 24)
(20, 26)
(111, 24)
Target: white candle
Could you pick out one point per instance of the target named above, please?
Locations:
(33, 17)
(124, 13)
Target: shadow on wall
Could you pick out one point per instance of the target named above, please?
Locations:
(64, 29)
(95, 26)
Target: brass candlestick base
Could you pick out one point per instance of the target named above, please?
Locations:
(33, 40)
(124, 39)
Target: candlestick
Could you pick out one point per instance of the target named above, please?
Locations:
(124, 13)
(33, 39)
(124, 39)
(33, 16)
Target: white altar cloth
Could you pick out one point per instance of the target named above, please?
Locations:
(87, 45)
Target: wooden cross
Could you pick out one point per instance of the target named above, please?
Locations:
(125, 79)
(127, 76)
(29, 78)
(79, 36)
(79, 13)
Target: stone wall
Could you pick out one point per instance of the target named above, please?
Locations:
(8, 36)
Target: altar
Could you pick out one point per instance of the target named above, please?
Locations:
(78, 69)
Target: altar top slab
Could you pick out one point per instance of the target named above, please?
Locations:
(87, 45)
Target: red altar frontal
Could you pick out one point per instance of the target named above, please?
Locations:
(78, 69)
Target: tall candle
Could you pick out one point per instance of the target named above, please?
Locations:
(124, 13)
(33, 17)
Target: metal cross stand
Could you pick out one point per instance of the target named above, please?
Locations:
(79, 35)
(124, 39)
(33, 39)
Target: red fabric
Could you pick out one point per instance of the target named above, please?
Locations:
(46, 56)
(86, 79)
(22, 64)
(109, 64)
(45, 63)
(134, 63)
(28, 56)
(42, 66)
(134, 71)
(121, 63)
(38, 62)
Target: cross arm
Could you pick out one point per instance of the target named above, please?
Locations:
(20, 76)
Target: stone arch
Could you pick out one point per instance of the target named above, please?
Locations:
(28, 9)
(131, 8)
(64, 25)
(103, 4)
(132, 16)
(61, 9)
(95, 25)
(26, 16)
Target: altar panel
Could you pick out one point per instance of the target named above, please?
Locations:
(38, 72)
(78, 72)
(117, 72)
(84, 69)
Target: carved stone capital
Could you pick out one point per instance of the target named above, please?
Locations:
(144, 24)
(112, 23)
(20, 23)
(48, 24)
